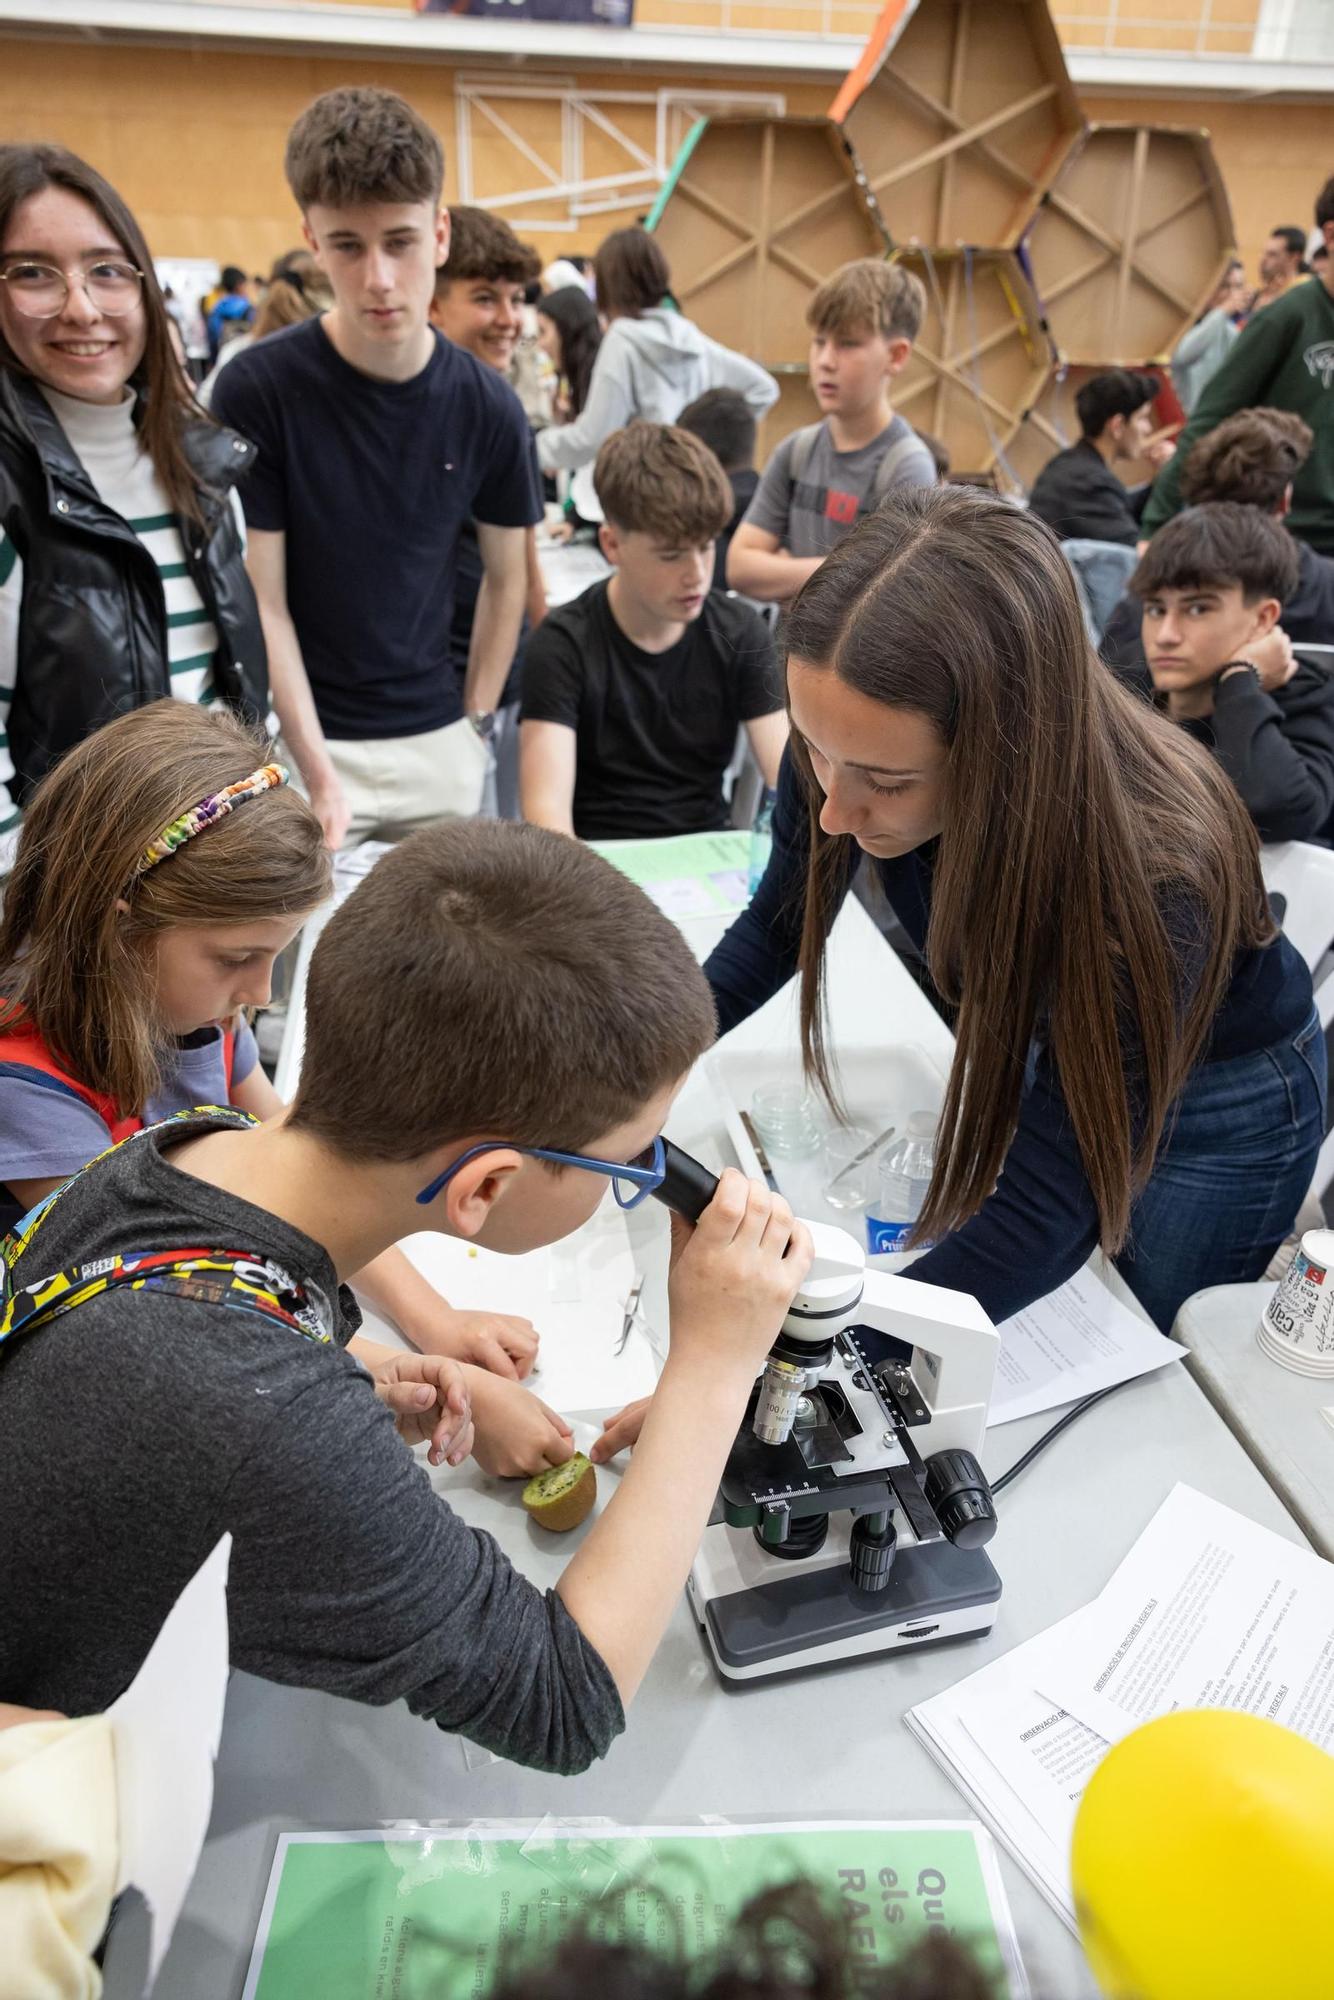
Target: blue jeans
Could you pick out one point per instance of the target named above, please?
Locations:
(1233, 1168)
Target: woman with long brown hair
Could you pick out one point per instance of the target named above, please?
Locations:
(1138, 1061)
(121, 568)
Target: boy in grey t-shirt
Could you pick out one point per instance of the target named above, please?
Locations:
(822, 480)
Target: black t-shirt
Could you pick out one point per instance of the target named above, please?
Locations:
(372, 483)
(468, 571)
(655, 731)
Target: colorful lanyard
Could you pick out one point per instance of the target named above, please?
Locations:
(209, 1277)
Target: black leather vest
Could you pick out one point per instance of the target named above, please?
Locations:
(92, 640)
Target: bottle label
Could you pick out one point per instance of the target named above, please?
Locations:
(886, 1238)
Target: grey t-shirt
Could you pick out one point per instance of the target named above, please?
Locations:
(139, 1427)
(810, 516)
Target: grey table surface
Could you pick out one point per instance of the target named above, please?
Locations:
(828, 1745)
(1275, 1413)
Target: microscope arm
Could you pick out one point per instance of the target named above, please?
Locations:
(954, 1343)
(955, 1347)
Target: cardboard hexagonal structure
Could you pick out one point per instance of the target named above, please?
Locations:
(1130, 243)
(961, 113)
(796, 407)
(755, 214)
(981, 360)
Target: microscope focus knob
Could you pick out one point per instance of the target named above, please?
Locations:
(875, 1543)
(957, 1492)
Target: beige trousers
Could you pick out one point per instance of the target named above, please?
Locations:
(395, 784)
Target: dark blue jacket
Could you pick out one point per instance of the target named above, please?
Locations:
(1041, 1222)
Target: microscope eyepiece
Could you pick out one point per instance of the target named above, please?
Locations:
(687, 1187)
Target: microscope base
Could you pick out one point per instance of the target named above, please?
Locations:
(763, 1617)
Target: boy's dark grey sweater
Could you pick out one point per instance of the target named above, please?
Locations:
(138, 1428)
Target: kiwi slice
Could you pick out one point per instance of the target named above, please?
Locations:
(562, 1496)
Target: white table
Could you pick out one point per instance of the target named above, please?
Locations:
(1275, 1413)
(568, 568)
(833, 1745)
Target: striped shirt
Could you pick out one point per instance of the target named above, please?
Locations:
(108, 447)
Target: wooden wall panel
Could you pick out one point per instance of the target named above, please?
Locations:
(1130, 243)
(980, 361)
(757, 213)
(1273, 157)
(796, 407)
(194, 138)
(961, 117)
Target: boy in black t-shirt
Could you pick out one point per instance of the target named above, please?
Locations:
(633, 694)
(378, 441)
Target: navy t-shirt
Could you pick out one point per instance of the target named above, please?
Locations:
(468, 572)
(372, 483)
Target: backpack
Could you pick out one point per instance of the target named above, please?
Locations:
(882, 480)
(236, 1278)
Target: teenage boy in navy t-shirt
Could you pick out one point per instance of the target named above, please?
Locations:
(378, 440)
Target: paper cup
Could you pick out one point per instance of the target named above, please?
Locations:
(1297, 1327)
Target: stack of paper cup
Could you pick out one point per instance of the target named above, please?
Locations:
(1297, 1328)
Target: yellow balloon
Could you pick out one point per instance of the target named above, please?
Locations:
(1203, 1862)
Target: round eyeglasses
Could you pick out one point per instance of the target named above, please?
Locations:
(39, 291)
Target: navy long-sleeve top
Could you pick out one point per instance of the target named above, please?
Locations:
(1041, 1221)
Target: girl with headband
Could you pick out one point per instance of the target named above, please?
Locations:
(161, 869)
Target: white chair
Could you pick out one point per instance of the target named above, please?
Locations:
(1300, 881)
(1102, 571)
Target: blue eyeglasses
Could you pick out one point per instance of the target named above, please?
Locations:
(632, 1181)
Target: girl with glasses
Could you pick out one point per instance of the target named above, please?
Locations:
(121, 559)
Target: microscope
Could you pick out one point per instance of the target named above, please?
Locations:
(852, 1514)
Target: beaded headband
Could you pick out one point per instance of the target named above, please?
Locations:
(215, 807)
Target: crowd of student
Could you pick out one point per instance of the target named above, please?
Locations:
(1068, 840)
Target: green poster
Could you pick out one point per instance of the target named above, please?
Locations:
(423, 1913)
(690, 875)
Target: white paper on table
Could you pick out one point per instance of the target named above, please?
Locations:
(1078, 1339)
(1207, 1611)
(1018, 1758)
(574, 1292)
(354, 864)
(165, 1728)
(1045, 1756)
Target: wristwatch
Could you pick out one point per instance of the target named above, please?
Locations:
(484, 723)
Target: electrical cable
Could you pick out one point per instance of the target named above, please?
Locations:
(1049, 1436)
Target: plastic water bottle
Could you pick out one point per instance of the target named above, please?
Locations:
(761, 839)
(905, 1176)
